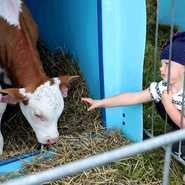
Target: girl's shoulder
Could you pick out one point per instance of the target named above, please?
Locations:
(156, 90)
(159, 85)
(162, 84)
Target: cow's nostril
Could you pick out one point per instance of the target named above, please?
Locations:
(52, 140)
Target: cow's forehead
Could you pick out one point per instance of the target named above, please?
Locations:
(47, 94)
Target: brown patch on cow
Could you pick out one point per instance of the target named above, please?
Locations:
(51, 81)
(66, 80)
(25, 102)
(18, 52)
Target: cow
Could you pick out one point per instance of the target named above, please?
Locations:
(38, 95)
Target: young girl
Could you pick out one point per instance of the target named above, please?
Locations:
(166, 102)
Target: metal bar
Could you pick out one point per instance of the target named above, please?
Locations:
(182, 116)
(167, 164)
(177, 157)
(169, 64)
(148, 133)
(101, 159)
(156, 39)
(155, 62)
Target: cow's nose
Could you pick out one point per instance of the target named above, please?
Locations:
(52, 140)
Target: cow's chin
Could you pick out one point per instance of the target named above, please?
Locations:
(46, 136)
(47, 140)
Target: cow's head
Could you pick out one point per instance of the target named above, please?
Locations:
(42, 106)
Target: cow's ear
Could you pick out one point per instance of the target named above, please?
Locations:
(14, 93)
(66, 80)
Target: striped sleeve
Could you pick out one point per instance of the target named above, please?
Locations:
(156, 90)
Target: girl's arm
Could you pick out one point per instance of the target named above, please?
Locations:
(124, 99)
(171, 110)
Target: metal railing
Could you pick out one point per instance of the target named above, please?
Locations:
(151, 133)
(72, 168)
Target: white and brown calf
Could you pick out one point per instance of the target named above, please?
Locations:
(39, 96)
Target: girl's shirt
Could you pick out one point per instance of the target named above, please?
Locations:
(156, 90)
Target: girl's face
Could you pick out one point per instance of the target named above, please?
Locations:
(176, 72)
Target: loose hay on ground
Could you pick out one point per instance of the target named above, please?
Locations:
(81, 132)
(19, 136)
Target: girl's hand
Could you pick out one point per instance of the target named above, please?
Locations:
(93, 103)
(166, 97)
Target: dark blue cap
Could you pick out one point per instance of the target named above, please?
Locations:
(178, 48)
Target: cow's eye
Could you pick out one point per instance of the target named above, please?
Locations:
(38, 115)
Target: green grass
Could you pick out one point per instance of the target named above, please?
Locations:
(155, 159)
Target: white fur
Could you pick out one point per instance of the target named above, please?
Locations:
(48, 101)
(9, 10)
(3, 107)
(2, 110)
(24, 93)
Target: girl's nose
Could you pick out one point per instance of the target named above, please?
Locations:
(161, 68)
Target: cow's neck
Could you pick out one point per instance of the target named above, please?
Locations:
(24, 66)
(19, 55)
(26, 71)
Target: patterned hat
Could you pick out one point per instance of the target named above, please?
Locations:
(178, 48)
